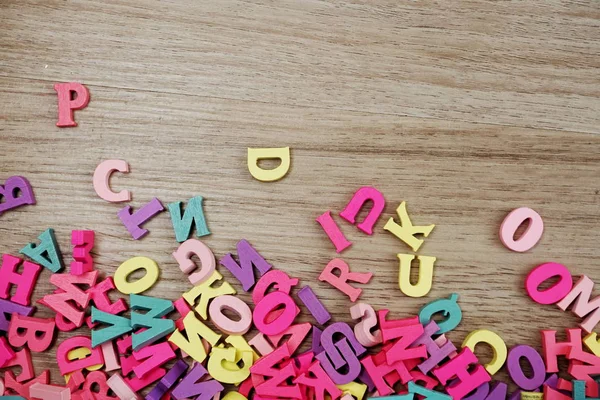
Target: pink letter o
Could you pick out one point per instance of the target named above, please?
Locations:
(554, 293)
(530, 237)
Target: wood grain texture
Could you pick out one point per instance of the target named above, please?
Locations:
(465, 110)
(529, 63)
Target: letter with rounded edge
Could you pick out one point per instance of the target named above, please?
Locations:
(269, 175)
(101, 180)
(276, 278)
(535, 361)
(363, 195)
(217, 365)
(37, 332)
(544, 272)
(283, 321)
(530, 237)
(76, 353)
(423, 285)
(184, 254)
(495, 341)
(226, 324)
(132, 265)
(368, 321)
(450, 309)
(17, 192)
(341, 282)
(67, 103)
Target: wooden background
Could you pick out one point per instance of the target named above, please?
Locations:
(464, 109)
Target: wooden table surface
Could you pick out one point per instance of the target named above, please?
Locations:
(465, 110)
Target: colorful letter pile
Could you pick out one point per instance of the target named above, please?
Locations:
(202, 350)
(195, 347)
